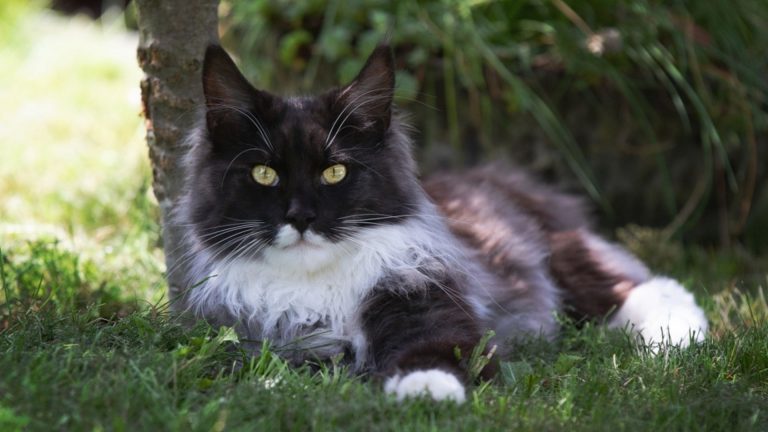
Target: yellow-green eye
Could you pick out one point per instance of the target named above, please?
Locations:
(334, 174)
(264, 175)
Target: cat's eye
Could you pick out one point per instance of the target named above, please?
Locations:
(334, 174)
(264, 175)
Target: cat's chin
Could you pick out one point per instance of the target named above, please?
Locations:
(308, 253)
(289, 237)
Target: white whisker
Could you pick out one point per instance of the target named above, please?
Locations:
(331, 133)
(251, 117)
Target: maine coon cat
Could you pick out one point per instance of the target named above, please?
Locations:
(307, 225)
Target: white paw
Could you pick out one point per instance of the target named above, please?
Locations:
(437, 384)
(662, 313)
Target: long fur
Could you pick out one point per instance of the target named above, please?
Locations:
(399, 288)
(284, 292)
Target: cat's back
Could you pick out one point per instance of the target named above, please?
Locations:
(484, 203)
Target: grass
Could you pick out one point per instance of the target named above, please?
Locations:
(85, 343)
(74, 165)
(71, 363)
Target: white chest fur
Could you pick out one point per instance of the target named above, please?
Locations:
(289, 290)
(296, 290)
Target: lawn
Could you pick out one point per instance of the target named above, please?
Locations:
(86, 342)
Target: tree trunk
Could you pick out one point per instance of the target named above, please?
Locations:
(173, 35)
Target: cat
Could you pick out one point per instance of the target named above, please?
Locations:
(307, 225)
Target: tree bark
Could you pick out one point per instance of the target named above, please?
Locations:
(173, 35)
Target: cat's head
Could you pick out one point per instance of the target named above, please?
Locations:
(297, 173)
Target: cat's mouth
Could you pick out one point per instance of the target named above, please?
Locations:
(288, 238)
(302, 243)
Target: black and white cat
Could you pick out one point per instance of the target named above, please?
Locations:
(307, 225)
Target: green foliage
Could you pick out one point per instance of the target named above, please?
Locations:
(670, 95)
(43, 273)
(12, 18)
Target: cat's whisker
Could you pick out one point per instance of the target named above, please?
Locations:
(341, 113)
(220, 246)
(455, 296)
(226, 171)
(241, 227)
(244, 220)
(438, 218)
(415, 211)
(333, 134)
(449, 259)
(349, 114)
(235, 255)
(199, 230)
(211, 232)
(252, 118)
(189, 257)
(238, 228)
(247, 241)
(257, 245)
(252, 244)
(348, 155)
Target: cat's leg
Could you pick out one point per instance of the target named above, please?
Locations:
(420, 341)
(599, 278)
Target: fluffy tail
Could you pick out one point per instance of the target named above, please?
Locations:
(661, 312)
(598, 278)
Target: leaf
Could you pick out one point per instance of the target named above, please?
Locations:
(290, 44)
(10, 421)
(407, 86)
(335, 43)
(566, 362)
(515, 373)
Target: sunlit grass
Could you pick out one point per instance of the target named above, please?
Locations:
(70, 125)
(74, 165)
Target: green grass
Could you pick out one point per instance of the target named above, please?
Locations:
(73, 362)
(74, 165)
(86, 343)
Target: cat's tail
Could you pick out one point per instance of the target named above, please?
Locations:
(599, 279)
(661, 312)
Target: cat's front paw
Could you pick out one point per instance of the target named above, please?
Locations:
(435, 383)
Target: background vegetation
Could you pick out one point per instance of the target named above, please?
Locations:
(85, 340)
(606, 95)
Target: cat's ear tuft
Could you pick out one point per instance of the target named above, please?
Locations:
(228, 95)
(223, 84)
(369, 96)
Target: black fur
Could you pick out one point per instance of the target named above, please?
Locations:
(420, 329)
(297, 129)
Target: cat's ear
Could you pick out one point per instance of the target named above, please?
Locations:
(228, 95)
(369, 96)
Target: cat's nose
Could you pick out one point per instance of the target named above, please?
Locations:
(300, 215)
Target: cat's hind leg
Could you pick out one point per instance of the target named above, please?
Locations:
(600, 279)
